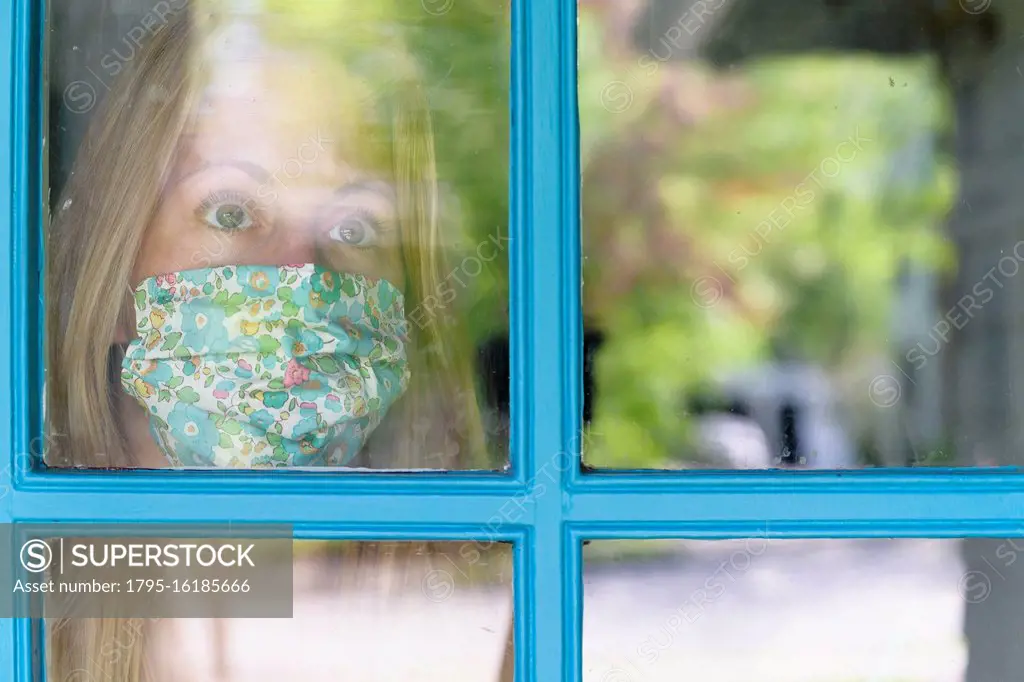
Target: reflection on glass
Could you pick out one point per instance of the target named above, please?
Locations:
(278, 235)
(803, 610)
(801, 235)
(363, 611)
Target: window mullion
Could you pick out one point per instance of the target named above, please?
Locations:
(545, 320)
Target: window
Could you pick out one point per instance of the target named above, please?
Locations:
(553, 383)
(309, 285)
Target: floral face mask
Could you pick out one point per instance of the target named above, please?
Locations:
(265, 366)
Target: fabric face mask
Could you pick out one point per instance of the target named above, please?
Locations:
(265, 366)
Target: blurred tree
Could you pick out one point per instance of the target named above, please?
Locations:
(724, 225)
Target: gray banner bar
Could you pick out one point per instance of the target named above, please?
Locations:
(145, 571)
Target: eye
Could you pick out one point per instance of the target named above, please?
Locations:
(227, 211)
(357, 229)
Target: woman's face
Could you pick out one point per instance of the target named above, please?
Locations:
(285, 162)
(283, 165)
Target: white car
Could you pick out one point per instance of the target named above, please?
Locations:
(794, 415)
(728, 441)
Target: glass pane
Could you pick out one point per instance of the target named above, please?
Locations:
(279, 234)
(803, 610)
(801, 234)
(362, 611)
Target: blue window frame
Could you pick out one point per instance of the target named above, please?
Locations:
(543, 505)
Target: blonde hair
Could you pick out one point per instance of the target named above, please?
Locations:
(93, 241)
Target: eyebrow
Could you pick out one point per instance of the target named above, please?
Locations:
(257, 173)
(375, 186)
(378, 187)
(262, 176)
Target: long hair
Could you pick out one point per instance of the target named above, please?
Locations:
(93, 241)
(94, 238)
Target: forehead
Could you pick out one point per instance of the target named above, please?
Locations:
(274, 106)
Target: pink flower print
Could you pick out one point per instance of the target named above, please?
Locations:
(244, 364)
(308, 406)
(221, 394)
(167, 281)
(295, 374)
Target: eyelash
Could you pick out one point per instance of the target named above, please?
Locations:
(369, 216)
(245, 201)
(374, 222)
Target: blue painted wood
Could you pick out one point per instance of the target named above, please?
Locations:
(884, 497)
(544, 505)
(545, 316)
(926, 508)
(783, 530)
(424, 510)
(238, 482)
(9, 274)
(965, 500)
(15, 55)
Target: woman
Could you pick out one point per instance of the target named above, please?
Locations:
(231, 274)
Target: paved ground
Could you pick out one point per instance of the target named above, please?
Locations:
(810, 611)
(879, 611)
